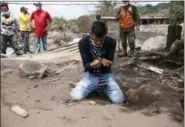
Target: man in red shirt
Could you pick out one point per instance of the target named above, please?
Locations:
(42, 21)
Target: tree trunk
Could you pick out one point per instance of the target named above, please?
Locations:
(174, 33)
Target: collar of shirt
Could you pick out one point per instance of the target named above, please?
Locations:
(98, 46)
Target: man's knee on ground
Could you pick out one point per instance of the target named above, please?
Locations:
(117, 97)
(77, 95)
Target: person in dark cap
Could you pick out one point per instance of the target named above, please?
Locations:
(25, 28)
(98, 17)
(42, 21)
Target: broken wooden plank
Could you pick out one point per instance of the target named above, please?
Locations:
(155, 69)
(131, 61)
(58, 72)
(151, 68)
(3, 55)
(51, 80)
(149, 57)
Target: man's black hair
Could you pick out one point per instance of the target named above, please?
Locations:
(98, 28)
(22, 9)
(98, 17)
(4, 5)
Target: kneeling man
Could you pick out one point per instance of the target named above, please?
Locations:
(97, 51)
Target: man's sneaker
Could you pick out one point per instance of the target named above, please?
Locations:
(125, 54)
(19, 53)
(120, 54)
(30, 52)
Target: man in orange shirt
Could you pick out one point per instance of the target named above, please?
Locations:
(128, 18)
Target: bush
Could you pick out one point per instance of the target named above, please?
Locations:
(58, 24)
(84, 24)
(177, 11)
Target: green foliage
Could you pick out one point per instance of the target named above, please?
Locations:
(157, 10)
(58, 24)
(109, 8)
(177, 11)
(72, 25)
(84, 23)
(106, 8)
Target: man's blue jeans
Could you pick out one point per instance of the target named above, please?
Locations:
(25, 40)
(89, 83)
(38, 45)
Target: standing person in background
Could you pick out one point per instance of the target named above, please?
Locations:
(98, 17)
(9, 27)
(25, 27)
(129, 18)
(42, 21)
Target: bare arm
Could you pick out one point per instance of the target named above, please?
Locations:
(137, 17)
(118, 15)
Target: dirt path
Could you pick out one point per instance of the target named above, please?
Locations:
(85, 115)
(48, 100)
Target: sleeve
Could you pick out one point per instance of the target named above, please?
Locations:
(19, 19)
(49, 17)
(83, 54)
(32, 17)
(16, 24)
(112, 49)
(118, 15)
(136, 17)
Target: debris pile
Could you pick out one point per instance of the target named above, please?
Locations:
(34, 70)
(145, 94)
(154, 43)
(59, 38)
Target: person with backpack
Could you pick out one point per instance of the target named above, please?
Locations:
(128, 18)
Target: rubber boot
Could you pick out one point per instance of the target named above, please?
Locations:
(125, 52)
(131, 53)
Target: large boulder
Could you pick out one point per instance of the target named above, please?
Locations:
(143, 95)
(60, 37)
(154, 43)
(33, 70)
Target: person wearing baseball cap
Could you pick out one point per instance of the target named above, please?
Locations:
(25, 28)
(42, 21)
(128, 18)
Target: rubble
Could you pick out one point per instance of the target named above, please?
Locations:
(151, 68)
(72, 84)
(19, 111)
(33, 70)
(92, 102)
(58, 36)
(3, 56)
(145, 94)
(154, 43)
(58, 72)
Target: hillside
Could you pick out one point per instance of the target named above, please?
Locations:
(161, 9)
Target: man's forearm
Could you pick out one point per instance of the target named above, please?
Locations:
(48, 26)
(137, 17)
